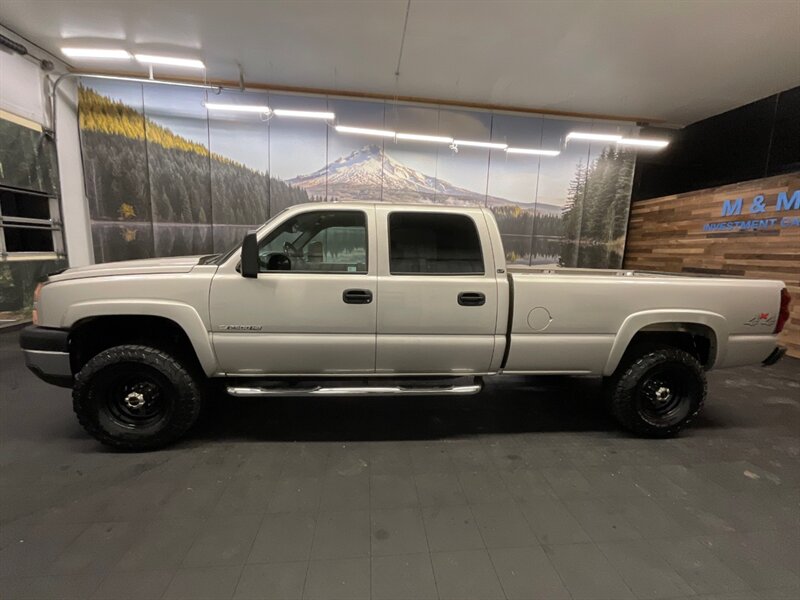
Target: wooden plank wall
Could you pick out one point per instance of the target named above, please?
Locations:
(666, 234)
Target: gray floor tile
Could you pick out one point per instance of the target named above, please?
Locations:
(586, 573)
(162, 545)
(439, 489)
(526, 483)
(306, 460)
(32, 554)
(758, 569)
(698, 566)
(53, 587)
(466, 575)
(296, 494)
(398, 531)
(207, 583)
(403, 577)
(245, 495)
(602, 519)
(482, 487)
(503, 525)
(97, 549)
(430, 458)
(340, 579)
(283, 537)
(192, 500)
(552, 522)
(645, 571)
(451, 528)
(469, 456)
(792, 593)
(141, 585)
(345, 492)
(650, 519)
(273, 581)
(389, 458)
(569, 483)
(527, 574)
(392, 491)
(223, 541)
(342, 534)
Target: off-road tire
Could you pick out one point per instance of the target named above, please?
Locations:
(630, 403)
(96, 394)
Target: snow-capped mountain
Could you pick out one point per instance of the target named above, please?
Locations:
(358, 175)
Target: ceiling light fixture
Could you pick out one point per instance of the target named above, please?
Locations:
(645, 143)
(594, 137)
(535, 151)
(250, 108)
(306, 114)
(419, 137)
(150, 59)
(494, 145)
(96, 53)
(364, 131)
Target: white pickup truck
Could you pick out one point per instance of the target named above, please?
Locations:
(355, 299)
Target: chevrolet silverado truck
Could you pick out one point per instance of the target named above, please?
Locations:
(374, 299)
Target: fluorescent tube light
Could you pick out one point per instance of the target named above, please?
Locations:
(307, 114)
(595, 137)
(536, 151)
(419, 137)
(96, 53)
(150, 59)
(250, 108)
(364, 131)
(644, 142)
(495, 145)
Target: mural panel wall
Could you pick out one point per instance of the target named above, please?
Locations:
(164, 176)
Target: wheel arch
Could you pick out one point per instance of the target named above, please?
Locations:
(111, 317)
(676, 326)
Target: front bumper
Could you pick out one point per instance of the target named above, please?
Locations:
(47, 354)
(774, 356)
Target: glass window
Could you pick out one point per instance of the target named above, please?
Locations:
(317, 242)
(433, 243)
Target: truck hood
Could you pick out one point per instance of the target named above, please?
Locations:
(178, 264)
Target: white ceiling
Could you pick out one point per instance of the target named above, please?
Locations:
(669, 60)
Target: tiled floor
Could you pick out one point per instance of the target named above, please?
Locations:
(525, 491)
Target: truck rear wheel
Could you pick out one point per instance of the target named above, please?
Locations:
(135, 398)
(657, 391)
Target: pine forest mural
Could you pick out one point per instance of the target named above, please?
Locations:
(166, 177)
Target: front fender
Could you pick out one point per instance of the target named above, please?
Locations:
(182, 314)
(639, 320)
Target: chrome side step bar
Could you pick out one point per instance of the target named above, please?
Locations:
(395, 390)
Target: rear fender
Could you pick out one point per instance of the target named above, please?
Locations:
(638, 321)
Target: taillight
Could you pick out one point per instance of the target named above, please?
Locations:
(783, 315)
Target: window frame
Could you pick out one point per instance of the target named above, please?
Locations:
(320, 272)
(392, 273)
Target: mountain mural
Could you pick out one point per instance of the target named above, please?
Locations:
(358, 175)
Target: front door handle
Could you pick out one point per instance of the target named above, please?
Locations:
(471, 299)
(357, 296)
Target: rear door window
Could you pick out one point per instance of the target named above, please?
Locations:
(424, 243)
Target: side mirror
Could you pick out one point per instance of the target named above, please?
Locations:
(250, 255)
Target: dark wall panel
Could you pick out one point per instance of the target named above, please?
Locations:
(760, 139)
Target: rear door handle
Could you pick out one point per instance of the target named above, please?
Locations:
(471, 299)
(357, 296)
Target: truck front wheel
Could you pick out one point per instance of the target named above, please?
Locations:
(657, 391)
(134, 397)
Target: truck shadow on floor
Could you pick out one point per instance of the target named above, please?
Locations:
(518, 405)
